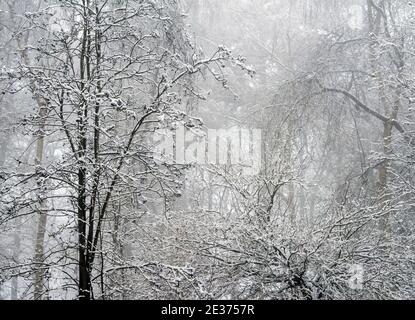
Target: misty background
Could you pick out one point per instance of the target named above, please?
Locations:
(90, 208)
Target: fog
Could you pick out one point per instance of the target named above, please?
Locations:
(206, 149)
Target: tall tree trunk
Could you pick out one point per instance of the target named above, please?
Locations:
(22, 42)
(16, 252)
(42, 222)
(384, 199)
(85, 288)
